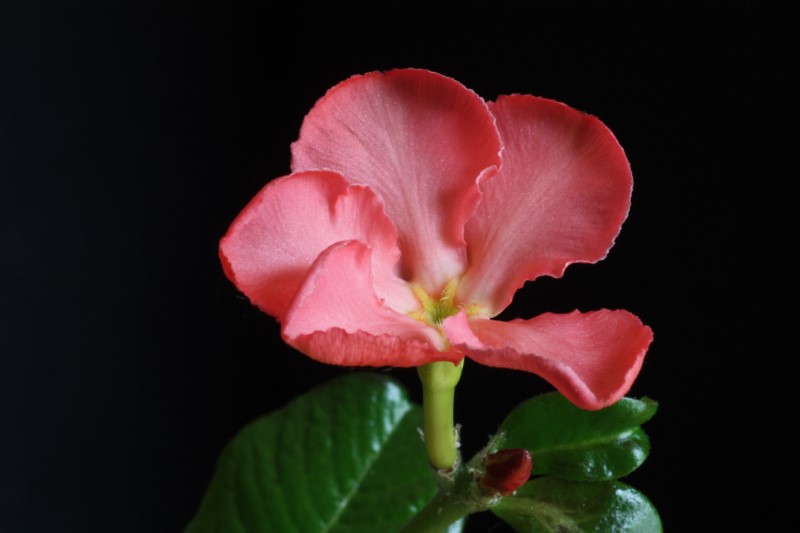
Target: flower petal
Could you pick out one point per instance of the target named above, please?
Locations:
(591, 358)
(560, 198)
(276, 238)
(336, 317)
(420, 140)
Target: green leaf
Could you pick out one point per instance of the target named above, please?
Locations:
(580, 445)
(457, 526)
(550, 505)
(344, 458)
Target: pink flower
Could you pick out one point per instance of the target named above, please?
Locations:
(415, 210)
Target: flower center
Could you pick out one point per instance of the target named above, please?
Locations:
(434, 311)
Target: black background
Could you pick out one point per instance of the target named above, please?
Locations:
(133, 133)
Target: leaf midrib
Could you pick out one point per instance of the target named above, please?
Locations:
(588, 443)
(362, 476)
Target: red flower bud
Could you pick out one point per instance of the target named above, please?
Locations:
(507, 470)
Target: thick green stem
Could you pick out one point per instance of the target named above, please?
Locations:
(439, 514)
(439, 381)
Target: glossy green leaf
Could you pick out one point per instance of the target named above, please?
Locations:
(580, 445)
(457, 526)
(344, 458)
(550, 505)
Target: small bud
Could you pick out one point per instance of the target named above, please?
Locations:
(507, 470)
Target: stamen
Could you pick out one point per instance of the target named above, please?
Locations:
(433, 311)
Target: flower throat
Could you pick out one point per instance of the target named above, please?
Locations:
(434, 312)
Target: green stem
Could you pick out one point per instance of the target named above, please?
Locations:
(439, 514)
(439, 381)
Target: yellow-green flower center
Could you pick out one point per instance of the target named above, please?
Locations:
(434, 311)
